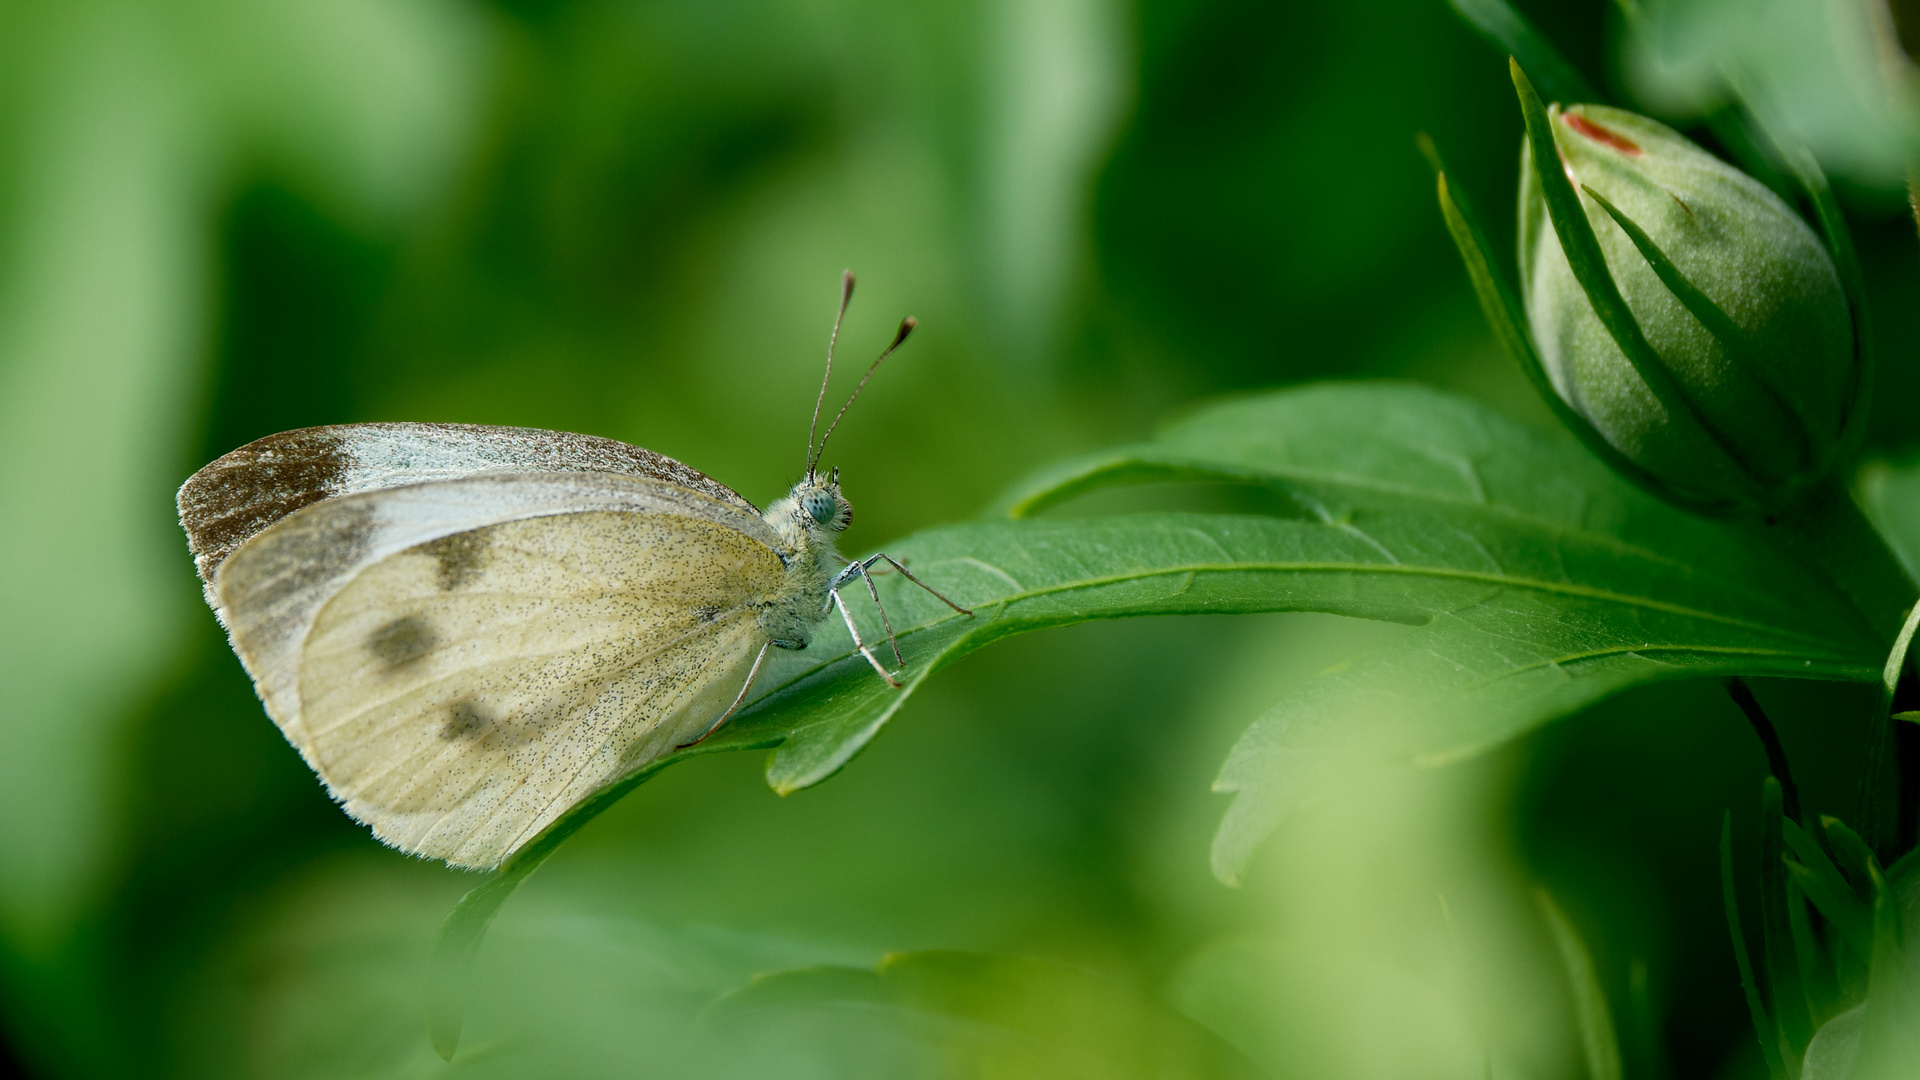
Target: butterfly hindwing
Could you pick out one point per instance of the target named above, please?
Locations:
(463, 660)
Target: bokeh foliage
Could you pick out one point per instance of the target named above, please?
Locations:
(221, 219)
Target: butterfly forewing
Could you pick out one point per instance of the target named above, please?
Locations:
(248, 490)
(463, 660)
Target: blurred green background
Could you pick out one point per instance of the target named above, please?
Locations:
(220, 219)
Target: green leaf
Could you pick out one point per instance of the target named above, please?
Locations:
(1585, 561)
(1852, 850)
(1896, 663)
(1816, 971)
(458, 943)
(1591, 1015)
(1827, 889)
(1539, 581)
(958, 1014)
(1889, 1036)
(1507, 30)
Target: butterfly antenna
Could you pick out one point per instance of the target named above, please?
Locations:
(906, 327)
(846, 297)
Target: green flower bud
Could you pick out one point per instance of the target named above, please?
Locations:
(1740, 303)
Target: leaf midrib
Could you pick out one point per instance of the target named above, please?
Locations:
(1497, 580)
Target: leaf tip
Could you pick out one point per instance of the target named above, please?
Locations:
(444, 1042)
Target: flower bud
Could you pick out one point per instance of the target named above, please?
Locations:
(1738, 300)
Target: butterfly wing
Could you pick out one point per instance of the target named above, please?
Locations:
(249, 489)
(462, 661)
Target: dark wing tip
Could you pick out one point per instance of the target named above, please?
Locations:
(248, 489)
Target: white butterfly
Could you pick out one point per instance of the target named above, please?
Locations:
(466, 630)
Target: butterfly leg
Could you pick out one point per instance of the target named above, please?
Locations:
(908, 574)
(735, 707)
(884, 621)
(861, 645)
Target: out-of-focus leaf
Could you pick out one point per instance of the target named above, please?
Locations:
(952, 1014)
(1510, 32)
(1811, 71)
(1890, 493)
(1889, 1040)
(122, 133)
(1050, 120)
(1828, 891)
(1763, 1027)
(1835, 1047)
(1591, 1015)
(1780, 949)
(1853, 851)
(1873, 1040)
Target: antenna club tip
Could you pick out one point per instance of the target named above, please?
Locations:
(846, 285)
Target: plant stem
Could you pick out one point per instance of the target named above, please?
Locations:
(1742, 695)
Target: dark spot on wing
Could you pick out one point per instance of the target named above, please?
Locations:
(461, 557)
(402, 641)
(226, 503)
(464, 721)
(706, 613)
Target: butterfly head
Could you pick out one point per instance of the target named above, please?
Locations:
(818, 503)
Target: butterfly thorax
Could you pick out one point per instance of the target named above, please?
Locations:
(806, 520)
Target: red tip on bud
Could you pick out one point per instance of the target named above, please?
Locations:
(1606, 136)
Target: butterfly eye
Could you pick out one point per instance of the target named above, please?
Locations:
(820, 507)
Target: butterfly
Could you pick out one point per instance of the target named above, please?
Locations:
(465, 630)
